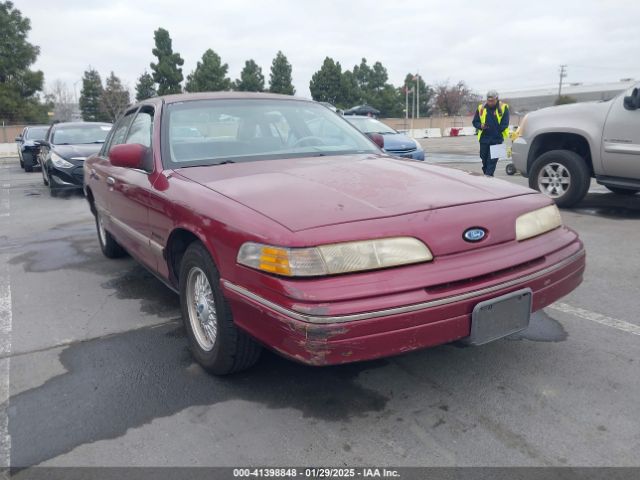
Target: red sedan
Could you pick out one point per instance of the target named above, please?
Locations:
(281, 225)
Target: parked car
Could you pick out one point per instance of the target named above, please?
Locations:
(325, 249)
(561, 148)
(64, 150)
(395, 143)
(28, 146)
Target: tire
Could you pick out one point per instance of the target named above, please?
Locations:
(510, 169)
(622, 191)
(218, 345)
(562, 175)
(110, 248)
(27, 161)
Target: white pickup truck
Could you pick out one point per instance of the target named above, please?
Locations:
(561, 148)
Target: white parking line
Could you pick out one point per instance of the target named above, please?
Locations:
(5, 341)
(597, 318)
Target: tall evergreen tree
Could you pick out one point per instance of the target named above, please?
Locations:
(90, 96)
(210, 75)
(166, 72)
(114, 98)
(19, 86)
(251, 78)
(280, 76)
(326, 83)
(146, 87)
(351, 94)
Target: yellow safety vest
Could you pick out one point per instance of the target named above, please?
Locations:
(482, 113)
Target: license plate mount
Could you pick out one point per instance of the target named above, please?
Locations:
(500, 317)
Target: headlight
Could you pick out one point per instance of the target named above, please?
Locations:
(60, 162)
(537, 222)
(334, 258)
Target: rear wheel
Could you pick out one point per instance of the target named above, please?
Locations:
(622, 191)
(110, 248)
(215, 342)
(561, 175)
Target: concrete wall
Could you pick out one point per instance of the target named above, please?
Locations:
(441, 122)
(10, 132)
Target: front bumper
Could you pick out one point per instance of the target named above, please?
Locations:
(319, 339)
(520, 155)
(417, 154)
(65, 178)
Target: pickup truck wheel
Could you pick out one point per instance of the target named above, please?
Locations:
(561, 175)
(110, 248)
(27, 161)
(622, 191)
(215, 342)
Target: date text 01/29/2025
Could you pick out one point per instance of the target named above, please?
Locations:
(310, 472)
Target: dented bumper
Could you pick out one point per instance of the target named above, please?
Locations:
(318, 339)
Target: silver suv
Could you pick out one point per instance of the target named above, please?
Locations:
(560, 148)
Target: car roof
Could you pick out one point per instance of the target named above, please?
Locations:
(359, 116)
(78, 124)
(186, 97)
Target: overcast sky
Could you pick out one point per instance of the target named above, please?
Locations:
(508, 45)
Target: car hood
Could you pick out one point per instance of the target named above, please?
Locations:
(398, 141)
(312, 192)
(77, 152)
(573, 109)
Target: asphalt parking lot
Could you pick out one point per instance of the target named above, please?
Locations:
(96, 365)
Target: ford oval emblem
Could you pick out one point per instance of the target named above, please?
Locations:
(474, 234)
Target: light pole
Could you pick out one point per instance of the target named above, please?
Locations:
(75, 97)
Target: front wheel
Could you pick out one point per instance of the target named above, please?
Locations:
(510, 169)
(110, 248)
(215, 342)
(562, 175)
(622, 191)
(28, 162)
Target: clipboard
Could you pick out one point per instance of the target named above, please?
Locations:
(498, 151)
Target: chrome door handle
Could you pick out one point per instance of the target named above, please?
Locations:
(111, 180)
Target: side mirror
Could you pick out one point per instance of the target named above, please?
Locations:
(632, 102)
(19, 138)
(130, 155)
(629, 103)
(377, 139)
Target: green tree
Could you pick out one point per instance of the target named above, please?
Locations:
(19, 86)
(373, 88)
(210, 75)
(90, 97)
(166, 72)
(146, 87)
(564, 100)
(425, 97)
(280, 76)
(251, 78)
(114, 98)
(326, 83)
(351, 94)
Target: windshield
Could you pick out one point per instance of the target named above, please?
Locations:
(80, 134)
(207, 132)
(369, 125)
(36, 133)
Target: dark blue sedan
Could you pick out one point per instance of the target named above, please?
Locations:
(395, 143)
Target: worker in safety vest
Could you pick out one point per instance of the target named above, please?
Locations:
(492, 124)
